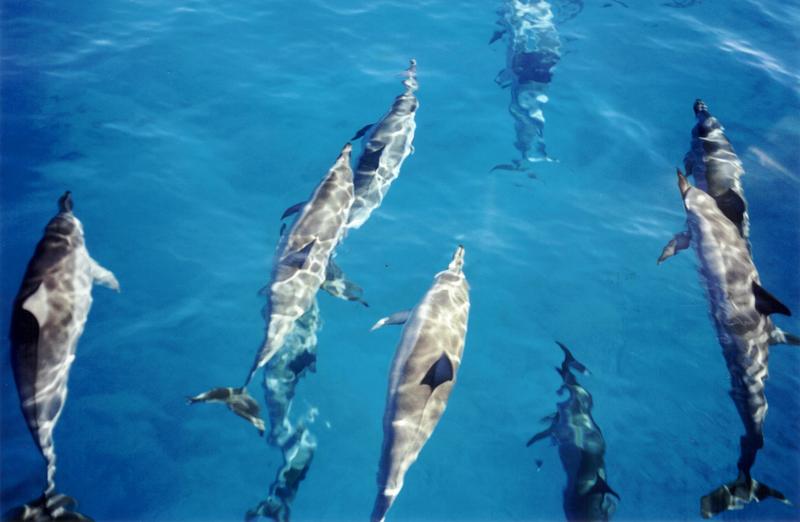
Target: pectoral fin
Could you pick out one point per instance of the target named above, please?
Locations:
(439, 373)
(497, 35)
(504, 78)
(539, 436)
(680, 241)
(294, 209)
(103, 276)
(778, 336)
(767, 304)
(395, 318)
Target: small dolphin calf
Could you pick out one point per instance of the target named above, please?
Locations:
(422, 376)
(717, 171)
(740, 310)
(587, 496)
(47, 321)
(299, 270)
(387, 144)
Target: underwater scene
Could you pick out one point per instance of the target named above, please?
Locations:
(404, 260)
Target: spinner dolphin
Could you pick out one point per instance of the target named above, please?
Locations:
(422, 376)
(717, 171)
(533, 50)
(49, 314)
(740, 310)
(299, 270)
(581, 446)
(387, 144)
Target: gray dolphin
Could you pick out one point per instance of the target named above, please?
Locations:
(299, 270)
(47, 321)
(387, 144)
(740, 309)
(422, 376)
(533, 51)
(717, 170)
(581, 446)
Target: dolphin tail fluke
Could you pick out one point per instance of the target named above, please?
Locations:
(737, 494)
(237, 400)
(570, 361)
(46, 508)
(337, 285)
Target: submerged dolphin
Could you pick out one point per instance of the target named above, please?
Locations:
(422, 376)
(717, 171)
(534, 49)
(587, 495)
(387, 144)
(740, 310)
(297, 444)
(299, 270)
(48, 318)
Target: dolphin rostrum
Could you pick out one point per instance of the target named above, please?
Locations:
(717, 171)
(581, 446)
(299, 270)
(534, 49)
(47, 321)
(422, 376)
(740, 309)
(387, 144)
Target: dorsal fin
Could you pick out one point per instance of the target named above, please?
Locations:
(370, 159)
(440, 372)
(601, 486)
(294, 209)
(732, 206)
(767, 304)
(298, 259)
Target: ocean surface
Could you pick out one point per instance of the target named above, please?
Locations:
(185, 128)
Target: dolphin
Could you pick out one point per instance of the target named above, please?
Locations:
(48, 317)
(422, 376)
(533, 51)
(717, 170)
(387, 144)
(296, 442)
(299, 270)
(740, 310)
(581, 446)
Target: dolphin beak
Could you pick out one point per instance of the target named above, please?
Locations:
(699, 106)
(65, 202)
(683, 183)
(458, 259)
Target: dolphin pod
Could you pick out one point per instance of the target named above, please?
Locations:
(740, 310)
(422, 376)
(587, 495)
(299, 270)
(49, 314)
(533, 50)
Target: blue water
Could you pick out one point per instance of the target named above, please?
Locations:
(184, 129)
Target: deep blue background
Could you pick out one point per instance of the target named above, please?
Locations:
(185, 128)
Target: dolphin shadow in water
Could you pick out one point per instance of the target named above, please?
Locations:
(581, 447)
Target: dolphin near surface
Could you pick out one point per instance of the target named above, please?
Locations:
(387, 144)
(581, 447)
(299, 270)
(533, 51)
(716, 170)
(740, 310)
(422, 376)
(48, 318)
